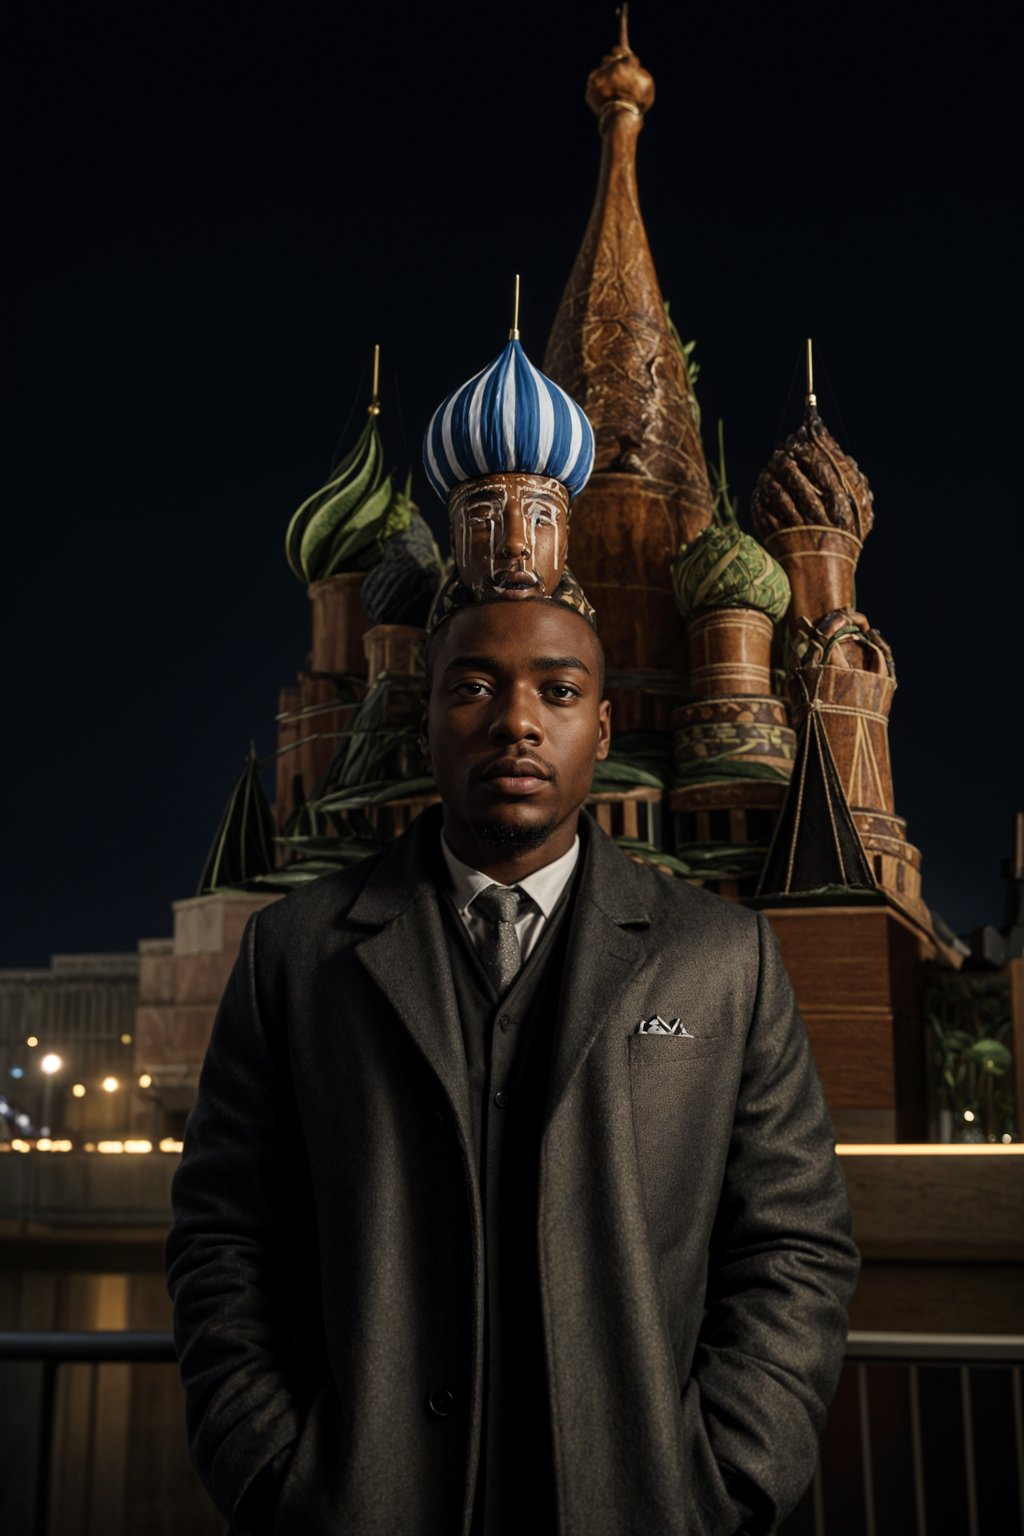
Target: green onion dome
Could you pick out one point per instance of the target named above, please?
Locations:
(343, 526)
(724, 568)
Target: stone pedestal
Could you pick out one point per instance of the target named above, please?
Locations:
(857, 971)
(180, 986)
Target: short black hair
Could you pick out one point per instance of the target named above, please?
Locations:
(437, 635)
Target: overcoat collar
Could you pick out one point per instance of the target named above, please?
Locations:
(407, 956)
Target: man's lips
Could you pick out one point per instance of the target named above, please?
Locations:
(516, 775)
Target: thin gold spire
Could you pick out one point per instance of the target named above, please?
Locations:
(811, 397)
(513, 334)
(374, 408)
(624, 27)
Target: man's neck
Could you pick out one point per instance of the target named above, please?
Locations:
(507, 865)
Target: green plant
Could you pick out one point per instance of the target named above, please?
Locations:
(969, 1024)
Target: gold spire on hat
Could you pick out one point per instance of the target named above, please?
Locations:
(513, 334)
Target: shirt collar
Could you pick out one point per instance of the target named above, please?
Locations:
(543, 887)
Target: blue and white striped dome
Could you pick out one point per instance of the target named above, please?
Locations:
(508, 419)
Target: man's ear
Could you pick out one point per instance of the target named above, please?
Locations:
(604, 730)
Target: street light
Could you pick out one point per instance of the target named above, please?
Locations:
(51, 1064)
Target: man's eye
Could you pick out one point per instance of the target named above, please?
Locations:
(470, 690)
(562, 691)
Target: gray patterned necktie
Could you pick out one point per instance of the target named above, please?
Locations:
(501, 954)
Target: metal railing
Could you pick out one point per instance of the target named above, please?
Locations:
(51, 1350)
(900, 1452)
(898, 1458)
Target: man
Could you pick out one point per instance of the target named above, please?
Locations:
(515, 1212)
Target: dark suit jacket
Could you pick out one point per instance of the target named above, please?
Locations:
(326, 1259)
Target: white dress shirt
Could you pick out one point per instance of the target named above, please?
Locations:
(543, 888)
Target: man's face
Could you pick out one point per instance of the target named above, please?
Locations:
(510, 534)
(515, 724)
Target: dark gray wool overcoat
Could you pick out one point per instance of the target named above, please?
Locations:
(326, 1257)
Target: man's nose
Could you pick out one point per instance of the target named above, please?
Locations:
(513, 540)
(515, 715)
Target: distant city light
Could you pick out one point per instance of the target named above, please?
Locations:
(23, 1121)
(17, 1071)
(110, 1085)
(78, 1089)
(145, 1081)
(110, 1146)
(43, 1144)
(138, 1146)
(126, 1039)
(969, 1115)
(17, 1145)
(90, 1146)
(51, 1063)
(1006, 1137)
(32, 1040)
(170, 1144)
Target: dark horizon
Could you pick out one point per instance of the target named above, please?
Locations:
(212, 218)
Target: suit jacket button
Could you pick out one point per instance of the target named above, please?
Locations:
(501, 1098)
(441, 1403)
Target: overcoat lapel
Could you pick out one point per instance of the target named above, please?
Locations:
(607, 946)
(407, 959)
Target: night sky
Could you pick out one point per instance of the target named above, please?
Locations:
(211, 215)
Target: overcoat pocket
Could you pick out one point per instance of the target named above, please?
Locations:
(671, 1081)
(309, 1489)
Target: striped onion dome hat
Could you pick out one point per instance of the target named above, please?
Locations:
(509, 419)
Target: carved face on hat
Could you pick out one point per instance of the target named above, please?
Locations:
(508, 451)
(510, 534)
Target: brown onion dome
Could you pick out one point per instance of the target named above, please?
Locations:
(810, 481)
(620, 78)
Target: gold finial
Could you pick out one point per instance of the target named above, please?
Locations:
(811, 397)
(513, 334)
(374, 408)
(624, 28)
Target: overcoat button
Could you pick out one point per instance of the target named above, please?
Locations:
(441, 1403)
(505, 1022)
(501, 1098)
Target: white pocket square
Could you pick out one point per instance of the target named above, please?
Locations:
(660, 1026)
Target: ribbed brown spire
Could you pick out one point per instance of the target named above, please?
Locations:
(812, 508)
(611, 345)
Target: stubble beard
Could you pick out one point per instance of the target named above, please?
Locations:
(507, 837)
